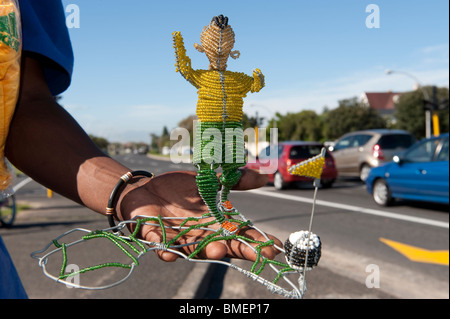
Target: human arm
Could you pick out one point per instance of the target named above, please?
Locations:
(47, 144)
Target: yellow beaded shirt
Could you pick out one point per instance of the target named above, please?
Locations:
(220, 92)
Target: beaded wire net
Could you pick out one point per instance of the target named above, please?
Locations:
(135, 248)
(219, 107)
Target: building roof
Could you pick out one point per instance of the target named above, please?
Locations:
(381, 100)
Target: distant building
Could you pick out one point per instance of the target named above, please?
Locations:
(383, 102)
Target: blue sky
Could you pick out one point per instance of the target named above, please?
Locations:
(313, 54)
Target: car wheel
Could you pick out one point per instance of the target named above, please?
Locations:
(364, 172)
(278, 181)
(382, 193)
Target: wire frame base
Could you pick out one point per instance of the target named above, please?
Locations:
(136, 248)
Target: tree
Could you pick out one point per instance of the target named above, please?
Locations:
(102, 143)
(154, 142)
(350, 116)
(188, 123)
(305, 125)
(410, 112)
(248, 121)
(164, 139)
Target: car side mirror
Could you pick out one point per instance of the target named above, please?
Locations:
(397, 159)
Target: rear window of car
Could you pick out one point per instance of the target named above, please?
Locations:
(305, 151)
(393, 141)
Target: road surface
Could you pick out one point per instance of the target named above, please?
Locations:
(357, 261)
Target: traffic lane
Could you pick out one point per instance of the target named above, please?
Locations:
(351, 242)
(421, 213)
(354, 197)
(355, 192)
(366, 227)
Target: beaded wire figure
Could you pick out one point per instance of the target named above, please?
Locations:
(219, 109)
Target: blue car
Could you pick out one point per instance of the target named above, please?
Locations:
(421, 173)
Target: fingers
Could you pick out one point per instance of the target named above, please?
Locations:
(151, 234)
(218, 250)
(166, 256)
(247, 250)
(213, 251)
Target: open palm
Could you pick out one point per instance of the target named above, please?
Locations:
(175, 194)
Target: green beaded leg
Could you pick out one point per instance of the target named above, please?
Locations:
(233, 159)
(218, 144)
(228, 179)
(208, 185)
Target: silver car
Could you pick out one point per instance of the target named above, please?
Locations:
(356, 153)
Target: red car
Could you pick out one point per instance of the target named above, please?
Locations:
(275, 163)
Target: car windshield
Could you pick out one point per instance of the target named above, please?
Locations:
(393, 141)
(304, 151)
(443, 155)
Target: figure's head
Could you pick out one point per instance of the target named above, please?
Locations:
(217, 41)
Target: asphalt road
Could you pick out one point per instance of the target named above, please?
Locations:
(355, 263)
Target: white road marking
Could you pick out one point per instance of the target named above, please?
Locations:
(357, 209)
(21, 184)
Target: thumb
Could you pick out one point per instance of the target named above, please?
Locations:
(251, 179)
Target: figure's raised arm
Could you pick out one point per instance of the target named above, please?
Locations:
(258, 81)
(183, 62)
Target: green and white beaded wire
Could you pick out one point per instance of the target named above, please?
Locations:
(135, 249)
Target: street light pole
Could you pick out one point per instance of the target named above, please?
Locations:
(426, 96)
(271, 112)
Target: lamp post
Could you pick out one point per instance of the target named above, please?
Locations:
(426, 96)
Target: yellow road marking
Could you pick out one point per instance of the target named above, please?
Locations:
(417, 254)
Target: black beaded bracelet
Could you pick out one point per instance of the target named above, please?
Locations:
(110, 211)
